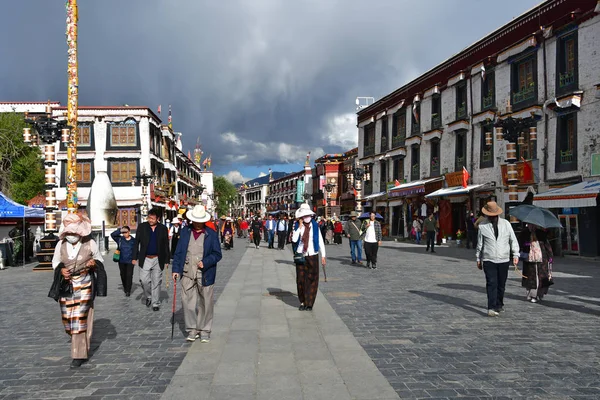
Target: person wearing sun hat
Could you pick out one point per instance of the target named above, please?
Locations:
(308, 241)
(195, 261)
(174, 233)
(77, 259)
(496, 241)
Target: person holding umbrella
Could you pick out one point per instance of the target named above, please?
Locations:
(372, 236)
(195, 261)
(537, 256)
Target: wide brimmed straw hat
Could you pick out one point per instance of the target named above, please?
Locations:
(353, 214)
(198, 214)
(491, 209)
(304, 211)
(76, 225)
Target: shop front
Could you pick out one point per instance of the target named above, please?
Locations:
(577, 209)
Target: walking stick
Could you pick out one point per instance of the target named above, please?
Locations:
(174, 302)
(324, 272)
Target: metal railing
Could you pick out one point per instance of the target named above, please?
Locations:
(566, 157)
(487, 101)
(461, 111)
(398, 141)
(525, 94)
(566, 79)
(436, 121)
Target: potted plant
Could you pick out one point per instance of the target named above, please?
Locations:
(460, 235)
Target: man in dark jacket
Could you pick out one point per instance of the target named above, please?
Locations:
(195, 261)
(430, 226)
(151, 253)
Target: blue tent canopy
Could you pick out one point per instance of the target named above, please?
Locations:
(11, 209)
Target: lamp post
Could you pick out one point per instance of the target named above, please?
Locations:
(198, 190)
(145, 180)
(513, 131)
(359, 174)
(328, 188)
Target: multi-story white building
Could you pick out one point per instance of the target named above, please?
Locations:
(543, 70)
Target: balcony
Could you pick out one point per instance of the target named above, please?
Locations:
(415, 173)
(566, 157)
(487, 102)
(461, 111)
(436, 121)
(398, 141)
(525, 94)
(435, 166)
(384, 143)
(369, 150)
(415, 128)
(566, 79)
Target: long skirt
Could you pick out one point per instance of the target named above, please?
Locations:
(307, 280)
(77, 313)
(536, 280)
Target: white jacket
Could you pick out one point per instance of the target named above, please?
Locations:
(496, 250)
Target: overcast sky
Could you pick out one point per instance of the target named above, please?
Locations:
(260, 82)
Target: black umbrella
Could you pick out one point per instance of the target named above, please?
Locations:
(536, 216)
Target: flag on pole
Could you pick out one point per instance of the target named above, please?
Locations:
(209, 161)
(465, 178)
(482, 72)
(159, 109)
(355, 192)
(396, 182)
(170, 118)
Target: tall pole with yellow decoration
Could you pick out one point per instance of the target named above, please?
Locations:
(72, 104)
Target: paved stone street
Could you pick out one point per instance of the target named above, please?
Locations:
(421, 318)
(133, 355)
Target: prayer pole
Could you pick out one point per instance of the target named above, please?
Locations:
(72, 104)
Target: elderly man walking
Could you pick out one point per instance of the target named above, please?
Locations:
(496, 241)
(195, 260)
(354, 234)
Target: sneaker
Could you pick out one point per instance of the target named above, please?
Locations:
(500, 310)
(148, 302)
(374, 266)
(192, 338)
(368, 264)
(155, 307)
(533, 300)
(78, 362)
(205, 339)
(353, 262)
(492, 313)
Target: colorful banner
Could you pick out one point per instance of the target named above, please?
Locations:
(300, 191)
(322, 182)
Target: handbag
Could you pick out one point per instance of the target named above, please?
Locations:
(299, 258)
(117, 255)
(60, 286)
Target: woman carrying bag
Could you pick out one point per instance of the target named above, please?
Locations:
(125, 244)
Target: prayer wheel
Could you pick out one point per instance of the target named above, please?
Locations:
(521, 140)
(513, 194)
(533, 133)
(488, 139)
(49, 154)
(50, 176)
(499, 134)
(66, 135)
(50, 224)
(512, 175)
(511, 152)
(51, 198)
(27, 135)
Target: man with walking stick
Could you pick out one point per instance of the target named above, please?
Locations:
(195, 261)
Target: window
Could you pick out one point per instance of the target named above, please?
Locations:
(566, 64)
(487, 152)
(461, 100)
(122, 171)
(566, 143)
(461, 151)
(399, 128)
(415, 116)
(383, 175)
(369, 144)
(84, 138)
(488, 91)
(415, 157)
(435, 158)
(384, 134)
(84, 175)
(398, 168)
(123, 134)
(436, 111)
(524, 82)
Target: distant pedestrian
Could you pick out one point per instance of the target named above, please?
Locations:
(228, 230)
(174, 232)
(430, 226)
(244, 228)
(126, 246)
(338, 229)
(282, 229)
(471, 231)
(417, 228)
(256, 228)
(151, 253)
(496, 241)
(537, 256)
(308, 242)
(372, 237)
(271, 228)
(329, 231)
(195, 261)
(77, 259)
(354, 235)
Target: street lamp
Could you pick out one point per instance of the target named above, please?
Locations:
(145, 180)
(328, 188)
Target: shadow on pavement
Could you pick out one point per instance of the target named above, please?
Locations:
(546, 303)
(287, 297)
(103, 330)
(455, 301)
(286, 262)
(348, 261)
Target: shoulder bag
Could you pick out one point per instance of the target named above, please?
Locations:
(117, 255)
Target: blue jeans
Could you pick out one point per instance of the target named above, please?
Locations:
(356, 250)
(418, 234)
(271, 238)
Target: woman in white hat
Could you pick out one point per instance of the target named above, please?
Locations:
(174, 234)
(307, 241)
(77, 259)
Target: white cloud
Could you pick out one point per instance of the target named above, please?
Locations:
(262, 174)
(342, 131)
(230, 137)
(235, 177)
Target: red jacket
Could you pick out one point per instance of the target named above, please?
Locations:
(338, 227)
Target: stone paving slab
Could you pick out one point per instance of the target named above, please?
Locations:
(133, 355)
(278, 352)
(421, 319)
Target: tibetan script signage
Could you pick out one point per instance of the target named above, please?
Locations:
(454, 178)
(526, 172)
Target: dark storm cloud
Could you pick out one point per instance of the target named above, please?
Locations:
(260, 82)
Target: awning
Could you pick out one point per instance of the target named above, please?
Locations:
(583, 194)
(374, 196)
(453, 191)
(409, 188)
